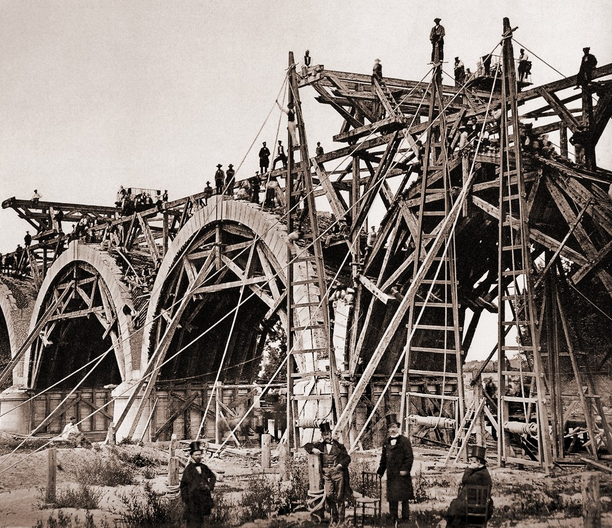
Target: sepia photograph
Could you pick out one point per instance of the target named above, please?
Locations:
(308, 263)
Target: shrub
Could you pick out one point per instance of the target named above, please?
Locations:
(258, 501)
(144, 508)
(419, 486)
(65, 520)
(105, 471)
(223, 513)
(84, 497)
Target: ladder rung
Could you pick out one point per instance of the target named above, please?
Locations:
(435, 281)
(515, 372)
(519, 399)
(513, 323)
(307, 327)
(435, 327)
(316, 373)
(513, 273)
(302, 305)
(305, 281)
(434, 213)
(432, 350)
(437, 396)
(508, 248)
(432, 373)
(431, 304)
(511, 197)
(308, 350)
(316, 397)
(307, 258)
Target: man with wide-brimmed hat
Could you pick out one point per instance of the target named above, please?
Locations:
(219, 179)
(476, 474)
(436, 36)
(196, 487)
(396, 460)
(335, 461)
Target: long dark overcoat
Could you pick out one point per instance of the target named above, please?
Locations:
(396, 458)
(196, 487)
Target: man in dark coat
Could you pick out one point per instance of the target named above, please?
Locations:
(219, 179)
(264, 158)
(230, 180)
(397, 461)
(476, 474)
(587, 64)
(197, 483)
(335, 461)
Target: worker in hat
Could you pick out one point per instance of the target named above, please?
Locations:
(219, 179)
(208, 192)
(196, 488)
(587, 64)
(476, 474)
(230, 180)
(335, 461)
(436, 36)
(396, 460)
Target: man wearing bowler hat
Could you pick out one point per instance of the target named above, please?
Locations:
(396, 460)
(197, 484)
(335, 461)
(476, 474)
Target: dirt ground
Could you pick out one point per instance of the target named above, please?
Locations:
(523, 498)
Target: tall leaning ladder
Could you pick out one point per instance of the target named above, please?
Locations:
(516, 293)
(434, 331)
(308, 339)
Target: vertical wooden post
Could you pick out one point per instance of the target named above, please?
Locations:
(314, 473)
(111, 438)
(265, 450)
(173, 463)
(51, 475)
(217, 414)
(591, 503)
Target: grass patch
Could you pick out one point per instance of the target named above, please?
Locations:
(106, 471)
(83, 497)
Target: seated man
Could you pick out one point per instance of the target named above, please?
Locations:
(72, 433)
(476, 474)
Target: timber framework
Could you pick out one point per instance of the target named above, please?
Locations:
(494, 208)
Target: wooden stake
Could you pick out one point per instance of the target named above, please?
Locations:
(51, 475)
(265, 450)
(591, 503)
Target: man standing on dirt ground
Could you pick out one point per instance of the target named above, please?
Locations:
(197, 484)
(476, 474)
(335, 461)
(396, 460)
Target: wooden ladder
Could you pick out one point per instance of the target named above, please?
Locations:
(434, 331)
(308, 339)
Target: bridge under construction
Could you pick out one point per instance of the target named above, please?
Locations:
(158, 322)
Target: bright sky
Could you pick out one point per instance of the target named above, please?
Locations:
(154, 93)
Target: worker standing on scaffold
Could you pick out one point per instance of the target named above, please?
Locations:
(437, 41)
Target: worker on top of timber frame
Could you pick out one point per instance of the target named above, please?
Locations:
(587, 64)
(436, 36)
(377, 71)
(335, 461)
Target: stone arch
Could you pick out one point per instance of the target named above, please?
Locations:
(17, 299)
(110, 294)
(272, 247)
